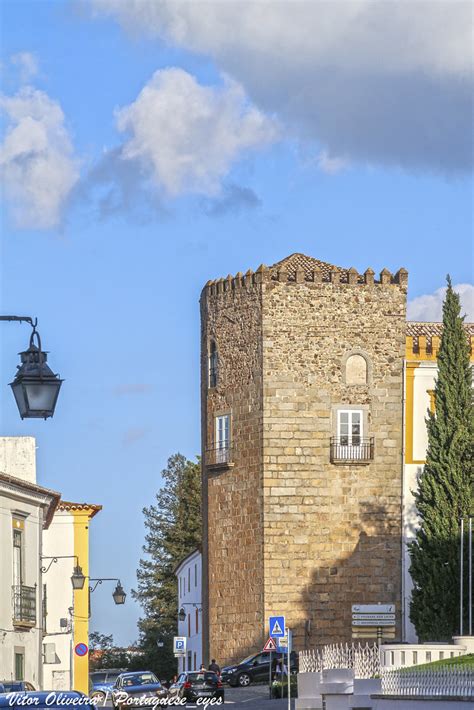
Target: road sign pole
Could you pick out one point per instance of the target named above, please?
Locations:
(288, 672)
(379, 636)
(270, 677)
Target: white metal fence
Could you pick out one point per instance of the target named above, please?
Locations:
(364, 660)
(448, 681)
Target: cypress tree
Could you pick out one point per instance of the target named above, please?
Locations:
(445, 490)
(173, 526)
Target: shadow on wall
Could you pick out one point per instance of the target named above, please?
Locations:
(371, 573)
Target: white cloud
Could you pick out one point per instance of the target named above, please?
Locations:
(430, 307)
(188, 135)
(385, 82)
(27, 64)
(36, 158)
(331, 164)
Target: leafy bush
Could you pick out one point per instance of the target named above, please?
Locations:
(276, 688)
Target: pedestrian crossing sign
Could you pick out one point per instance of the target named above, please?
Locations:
(277, 626)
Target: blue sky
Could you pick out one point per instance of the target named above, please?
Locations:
(119, 204)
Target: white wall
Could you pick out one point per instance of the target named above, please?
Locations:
(424, 380)
(58, 540)
(189, 576)
(18, 457)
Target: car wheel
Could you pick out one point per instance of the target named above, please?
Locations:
(99, 696)
(244, 680)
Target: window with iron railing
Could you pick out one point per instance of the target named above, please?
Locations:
(220, 452)
(343, 451)
(24, 604)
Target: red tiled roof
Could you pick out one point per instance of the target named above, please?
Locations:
(67, 505)
(307, 263)
(417, 328)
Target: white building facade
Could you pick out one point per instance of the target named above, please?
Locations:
(189, 576)
(42, 539)
(26, 510)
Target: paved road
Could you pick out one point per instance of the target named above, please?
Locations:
(255, 696)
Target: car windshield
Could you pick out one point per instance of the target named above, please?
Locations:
(11, 687)
(248, 659)
(98, 677)
(200, 677)
(140, 679)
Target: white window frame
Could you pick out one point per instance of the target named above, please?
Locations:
(222, 442)
(350, 413)
(222, 438)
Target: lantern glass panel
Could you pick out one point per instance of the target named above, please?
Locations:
(41, 396)
(20, 398)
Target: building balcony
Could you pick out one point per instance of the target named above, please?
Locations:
(359, 451)
(24, 605)
(219, 458)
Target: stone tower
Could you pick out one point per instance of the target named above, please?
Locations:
(302, 389)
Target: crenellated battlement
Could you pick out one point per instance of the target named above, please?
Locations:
(299, 268)
(423, 340)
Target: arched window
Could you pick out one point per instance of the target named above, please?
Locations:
(356, 370)
(213, 364)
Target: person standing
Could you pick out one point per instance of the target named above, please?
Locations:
(213, 666)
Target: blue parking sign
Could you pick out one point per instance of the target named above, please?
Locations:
(179, 645)
(276, 626)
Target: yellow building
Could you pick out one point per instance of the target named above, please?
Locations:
(422, 345)
(67, 610)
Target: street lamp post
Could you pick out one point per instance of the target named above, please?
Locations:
(182, 613)
(77, 578)
(35, 386)
(118, 594)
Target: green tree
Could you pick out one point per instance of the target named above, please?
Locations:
(103, 653)
(445, 490)
(173, 526)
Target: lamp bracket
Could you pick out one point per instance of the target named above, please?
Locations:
(99, 581)
(55, 559)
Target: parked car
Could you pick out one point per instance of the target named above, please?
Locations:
(103, 681)
(132, 689)
(15, 686)
(255, 668)
(197, 684)
(44, 699)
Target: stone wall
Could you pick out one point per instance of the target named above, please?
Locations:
(331, 531)
(286, 530)
(232, 495)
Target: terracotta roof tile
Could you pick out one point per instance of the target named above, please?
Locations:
(417, 328)
(67, 505)
(308, 264)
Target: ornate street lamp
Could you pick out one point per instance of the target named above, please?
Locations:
(182, 613)
(119, 594)
(78, 578)
(35, 385)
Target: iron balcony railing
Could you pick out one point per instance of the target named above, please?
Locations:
(343, 450)
(24, 604)
(219, 456)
